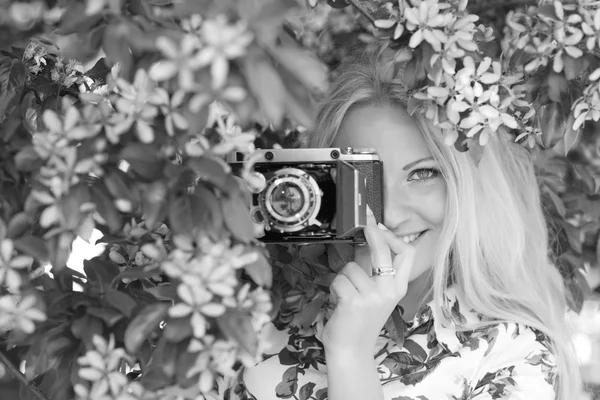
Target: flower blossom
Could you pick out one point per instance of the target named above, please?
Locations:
(587, 107)
(134, 106)
(100, 367)
(182, 60)
(427, 23)
(10, 265)
(19, 314)
(591, 29)
(169, 106)
(57, 147)
(222, 42)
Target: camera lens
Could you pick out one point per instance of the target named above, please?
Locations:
(287, 199)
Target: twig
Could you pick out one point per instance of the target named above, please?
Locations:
(491, 5)
(21, 378)
(356, 4)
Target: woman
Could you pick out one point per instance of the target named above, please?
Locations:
(463, 251)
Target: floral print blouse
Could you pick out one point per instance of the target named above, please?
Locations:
(499, 361)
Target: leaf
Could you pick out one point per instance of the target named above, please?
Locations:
(45, 86)
(18, 224)
(415, 349)
(93, 41)
(338, 3)
(74, 20)
(237, 326)
(265, 17)
(338, 255)
(164, 292)
(120, 301)
(33, 246)
(154, 378)
(401, 363)
(584, 173)
(267, 87)
(106, 207)
(166, 355)
(190, 213)
(306, 317)
(306, 390)
(260, 271)
(210, 170)
(237, 218)
(119, 185)
(396, 327)
(28, 160)
(558, 87)
(144, 323)
(573, 67)
(551, 119)
(116, 48)
(573, 236)
(289, 383)
(107, 314)
(557, 201)
(135, 273)
(144, 160)
(178, 329)
(12, 81)
(571, 135)
(579, 290)
(70, 205)
(100, 272)
(304, 66)
(99, 71)
(85, 328)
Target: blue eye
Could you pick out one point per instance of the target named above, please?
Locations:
(423, 175)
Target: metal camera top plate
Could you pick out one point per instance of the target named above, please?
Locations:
(309, 155)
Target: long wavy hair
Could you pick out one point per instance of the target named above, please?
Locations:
(494, 243)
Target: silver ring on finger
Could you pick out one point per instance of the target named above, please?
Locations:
(383, 271)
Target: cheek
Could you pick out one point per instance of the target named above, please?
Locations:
(431, 206)
(425, 252)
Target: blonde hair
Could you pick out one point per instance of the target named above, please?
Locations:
(494, 242)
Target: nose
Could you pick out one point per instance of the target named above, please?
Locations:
(395, 210)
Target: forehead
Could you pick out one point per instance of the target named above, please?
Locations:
(389, 130)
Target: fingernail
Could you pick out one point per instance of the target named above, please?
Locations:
(382, 227)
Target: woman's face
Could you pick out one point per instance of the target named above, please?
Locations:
(414, 189)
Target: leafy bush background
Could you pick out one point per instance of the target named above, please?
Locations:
(123, 90)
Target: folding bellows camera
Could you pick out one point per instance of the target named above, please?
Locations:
(315, 194)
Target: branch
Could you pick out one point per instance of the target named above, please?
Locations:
(491, 5)
(356, 4)
(21, 378)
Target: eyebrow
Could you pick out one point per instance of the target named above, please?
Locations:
(412, 164)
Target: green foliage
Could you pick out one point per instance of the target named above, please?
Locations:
(116, 114)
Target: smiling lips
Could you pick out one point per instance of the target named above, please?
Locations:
(411, 238)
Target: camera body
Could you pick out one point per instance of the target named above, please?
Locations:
(315, 195)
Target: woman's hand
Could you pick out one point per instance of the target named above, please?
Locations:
(362, 302)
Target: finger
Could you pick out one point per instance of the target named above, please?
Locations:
(396, 244)
(358, 278)
(380, 251)
(403, 263)
(404, 254)
(342, 289)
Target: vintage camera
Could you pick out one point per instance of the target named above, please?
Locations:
(315, 195)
